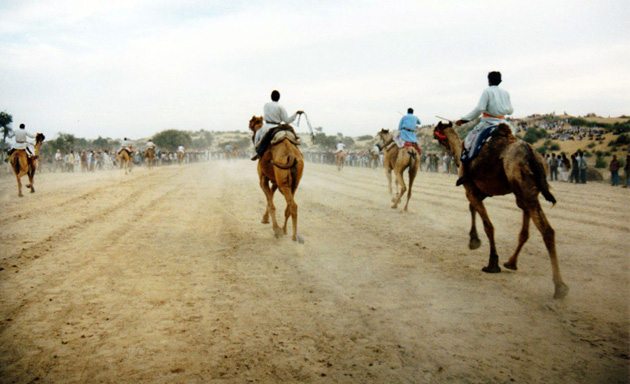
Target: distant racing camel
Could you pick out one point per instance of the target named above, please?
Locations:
(506, 165)
(398, 160)
(280, 167)
(340, 159)
(23, 164)
(149, 156)
(180, 157)
(125, 158)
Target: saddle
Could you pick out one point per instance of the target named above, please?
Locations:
(125, 150)
(276, 135)
(484, 136)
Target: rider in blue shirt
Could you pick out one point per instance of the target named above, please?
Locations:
(407, 127)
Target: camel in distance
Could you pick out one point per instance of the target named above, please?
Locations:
(280, 168)
(23, 164)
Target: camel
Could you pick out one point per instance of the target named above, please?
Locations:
(149, 156)
(280, 167)
(23, 164)
(180, 157)
(398, 160)
(506, 165)
(340, 159)
(126, 160)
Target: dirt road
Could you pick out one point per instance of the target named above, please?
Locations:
(167, 276)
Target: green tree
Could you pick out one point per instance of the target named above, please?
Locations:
(5, 122)
(171, 139)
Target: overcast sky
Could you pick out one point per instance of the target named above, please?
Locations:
(136, 67)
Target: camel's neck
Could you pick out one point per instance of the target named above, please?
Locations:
(37, 147)
(454, 143)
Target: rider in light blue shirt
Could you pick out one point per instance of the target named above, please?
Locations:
(407, 127)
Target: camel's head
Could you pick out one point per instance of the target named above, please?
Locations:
(255, 123)
(384, 135)
(39, 138)
(440, 135)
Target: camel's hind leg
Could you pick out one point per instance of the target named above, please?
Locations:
(413, 171)
(20, 168)
(522, 239)
(474, 241)
(548, 234)
(271, 209)
(290, 211)
(265, 219)
(477, 203)
(401, 163)
(31, 175)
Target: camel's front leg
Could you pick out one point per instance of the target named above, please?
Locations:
(476, 202)
(522, 238)
(474, 242)
(388, 174)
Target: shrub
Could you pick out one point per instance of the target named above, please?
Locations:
(591, 145)
(624, 138)
(554, 147)
(533, 135)
(600, 162)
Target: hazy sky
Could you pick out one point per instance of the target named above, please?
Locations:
(136, 67)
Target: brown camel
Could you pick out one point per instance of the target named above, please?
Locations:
(22, 164)
(149, 156)
(125, 159)
(180, 157)
(280, 167)
(506, 165)
(340, 159)
(398, 160)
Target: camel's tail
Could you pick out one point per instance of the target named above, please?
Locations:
(539, 174)
(288, 165)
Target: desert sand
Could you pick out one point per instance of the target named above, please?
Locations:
(168, 276)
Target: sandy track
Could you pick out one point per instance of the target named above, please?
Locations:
(168, 276)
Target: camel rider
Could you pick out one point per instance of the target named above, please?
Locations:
(493, 106)
(274, 114)
(126, 144)
(150, 145)
(340, 147)
(20, 140)
(406, 135)
(180, 149)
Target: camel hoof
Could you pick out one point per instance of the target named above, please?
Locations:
(561, 291)
(491, 269)
(474, 244)
(265, 221)
(32, 190)
(20, 195)
(299, 239)
(510, 266)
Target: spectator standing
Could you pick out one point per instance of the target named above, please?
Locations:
(553, 167)
(614, 171)
(566, 165)
(583, 167)
(575, 168)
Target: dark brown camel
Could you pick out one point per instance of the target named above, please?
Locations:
(280, 167)
(506, 165)
(22, 164)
